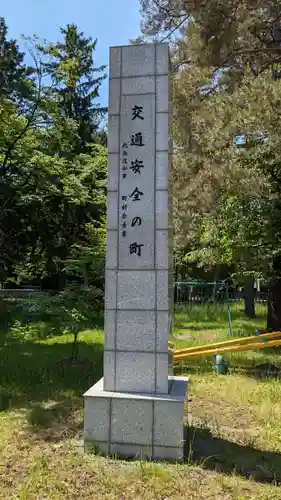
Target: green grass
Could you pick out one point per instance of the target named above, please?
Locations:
(33, 371)
(202, 320)
(205, 324)
(233, 436)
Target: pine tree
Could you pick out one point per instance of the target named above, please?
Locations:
(76, 83)
(226, 90)
(230, 34)
(15, 82)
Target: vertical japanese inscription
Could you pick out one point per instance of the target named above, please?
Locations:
(136, 186)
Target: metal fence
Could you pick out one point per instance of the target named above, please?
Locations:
(22, 293)
(185, 293)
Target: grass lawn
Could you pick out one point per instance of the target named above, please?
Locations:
(233, 433)
(197, 324)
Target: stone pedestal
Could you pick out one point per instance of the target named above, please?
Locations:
(136, 424)
(137, 409)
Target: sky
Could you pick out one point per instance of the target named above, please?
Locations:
(112, 22)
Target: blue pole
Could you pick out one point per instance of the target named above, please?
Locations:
(229, 312)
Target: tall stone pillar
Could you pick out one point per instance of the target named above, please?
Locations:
(137, 408)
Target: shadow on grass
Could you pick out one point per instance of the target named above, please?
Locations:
(205, 314)
(262, 371)
(224, 456)
(199, 328)
(244, 329)
(33, 372)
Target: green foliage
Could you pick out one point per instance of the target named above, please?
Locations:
(7, 318)
(51, 200)
(68, 312)
(15, 77)
(227, 181)
(75, 83)
(52, 176)
(226, 130)
(88, 260)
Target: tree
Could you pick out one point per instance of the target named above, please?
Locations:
(233, 31)
(75, 84)
(88, 259)
(70, 311)
(66, 197)
(47, 195)
(227, 56)
(15, 81)
(248, 175)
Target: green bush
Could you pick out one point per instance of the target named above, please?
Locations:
(74, 309)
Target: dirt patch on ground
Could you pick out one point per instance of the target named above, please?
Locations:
(208, 336)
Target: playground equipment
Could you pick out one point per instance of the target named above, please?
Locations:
(241, 344)
(221, 365)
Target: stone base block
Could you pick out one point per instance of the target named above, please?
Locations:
(136, 425)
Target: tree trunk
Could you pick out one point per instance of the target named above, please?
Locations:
(61, 280)
(74, 353)
(249, 298)
(85, 275)
(274, 297)
(274, 307)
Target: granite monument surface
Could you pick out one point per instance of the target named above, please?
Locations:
(137, 408)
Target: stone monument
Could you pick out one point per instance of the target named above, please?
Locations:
(137, 409)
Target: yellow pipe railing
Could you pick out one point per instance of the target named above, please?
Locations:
(226, 343)
(211, 352)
